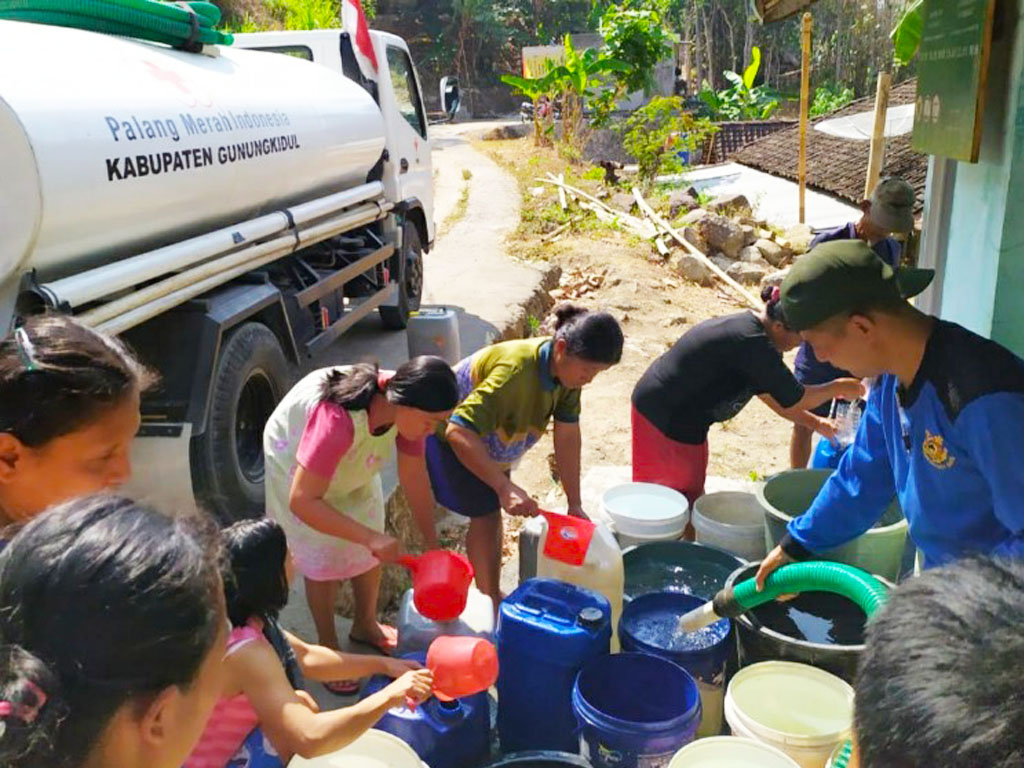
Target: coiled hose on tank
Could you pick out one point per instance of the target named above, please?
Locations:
(852, 583)
(187, 26)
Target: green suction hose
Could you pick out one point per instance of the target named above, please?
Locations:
(843, 758)
(188, 26)
(852, 583)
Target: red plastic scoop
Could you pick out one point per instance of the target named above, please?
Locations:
(462, 666)
(568, 538)
(440, 583)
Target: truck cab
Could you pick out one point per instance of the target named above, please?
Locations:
(305, 205)
(408, 174)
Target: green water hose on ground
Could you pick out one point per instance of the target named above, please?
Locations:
(188, 26)
(852, 583)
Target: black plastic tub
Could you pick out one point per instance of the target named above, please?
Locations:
(542, 759)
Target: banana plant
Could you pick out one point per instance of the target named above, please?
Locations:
(906, 36)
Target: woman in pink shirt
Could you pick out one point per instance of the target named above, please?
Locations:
(325, 445)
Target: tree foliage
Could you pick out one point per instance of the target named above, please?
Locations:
(742, 100)
(657, 134)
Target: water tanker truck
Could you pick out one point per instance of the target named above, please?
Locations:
(228, 212)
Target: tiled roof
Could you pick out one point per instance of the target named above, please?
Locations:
(837, 165)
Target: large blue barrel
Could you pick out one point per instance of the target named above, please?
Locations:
(454, 734)
(635, 710)
(650, 624)
(547, 632)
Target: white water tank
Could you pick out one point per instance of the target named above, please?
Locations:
(111, 147)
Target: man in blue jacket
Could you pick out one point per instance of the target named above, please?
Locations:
(944, 423)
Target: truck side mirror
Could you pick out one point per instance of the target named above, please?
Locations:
(451, 96)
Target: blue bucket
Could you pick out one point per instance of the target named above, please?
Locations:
(635, 710)
(648, 625)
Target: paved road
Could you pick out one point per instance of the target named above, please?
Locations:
(468, 269)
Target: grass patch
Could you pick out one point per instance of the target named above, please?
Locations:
(459, 211)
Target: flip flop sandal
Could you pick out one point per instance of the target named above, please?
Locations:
(343, 687)
(386, 645)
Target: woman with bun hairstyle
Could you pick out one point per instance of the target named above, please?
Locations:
(69, 410)
(510, 392)
(112, 637)
(708, 376)
(325, 446)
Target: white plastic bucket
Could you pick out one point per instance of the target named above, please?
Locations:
(799, 709)
(730, 752)
(374, 749)
(733, 521)
(645, 512)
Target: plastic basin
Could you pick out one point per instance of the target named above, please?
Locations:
(649, 625)
(789, 494)
(822, 629)
(733, 521)
(731, 752)
(374, 749)
(621, 729)
(802, 711)
(645, 512)
(679, 566)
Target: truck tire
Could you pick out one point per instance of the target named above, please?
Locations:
(249, 380)
(410, 280)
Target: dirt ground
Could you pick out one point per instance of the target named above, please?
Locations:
(655, 308)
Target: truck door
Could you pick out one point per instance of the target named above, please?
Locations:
(411, 147)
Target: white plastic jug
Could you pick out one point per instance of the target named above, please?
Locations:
(601, 571)
(416, 632)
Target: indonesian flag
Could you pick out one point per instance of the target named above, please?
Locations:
(353, 21)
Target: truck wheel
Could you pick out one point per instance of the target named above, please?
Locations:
(251, 377)
(410, 280)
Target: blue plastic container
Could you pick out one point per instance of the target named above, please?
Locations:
(453, 734)
(649, 625)
(826, 455)
(635, 710)
(547, 632)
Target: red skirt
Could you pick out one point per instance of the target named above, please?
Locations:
(659, 459)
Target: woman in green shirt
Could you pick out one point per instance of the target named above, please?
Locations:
(510, 392)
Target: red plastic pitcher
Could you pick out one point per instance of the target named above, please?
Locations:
(440, 583)
(462, 666)
(568, 537)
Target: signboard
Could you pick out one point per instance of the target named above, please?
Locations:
(952, 71)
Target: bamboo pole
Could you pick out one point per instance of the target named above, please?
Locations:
(805, 92)
(664, 226)
(877, 153)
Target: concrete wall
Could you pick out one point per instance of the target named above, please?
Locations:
(983, 284)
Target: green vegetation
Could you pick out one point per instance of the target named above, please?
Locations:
(742, 100)
(828, 98)
(906, 35)
(656, 133)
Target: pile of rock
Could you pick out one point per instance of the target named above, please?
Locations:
(745, 248)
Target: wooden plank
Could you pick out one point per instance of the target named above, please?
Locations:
(561, 192)
(805, 92)
(715, 270)
(877, 154)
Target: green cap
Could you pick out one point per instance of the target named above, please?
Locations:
(844, 276)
